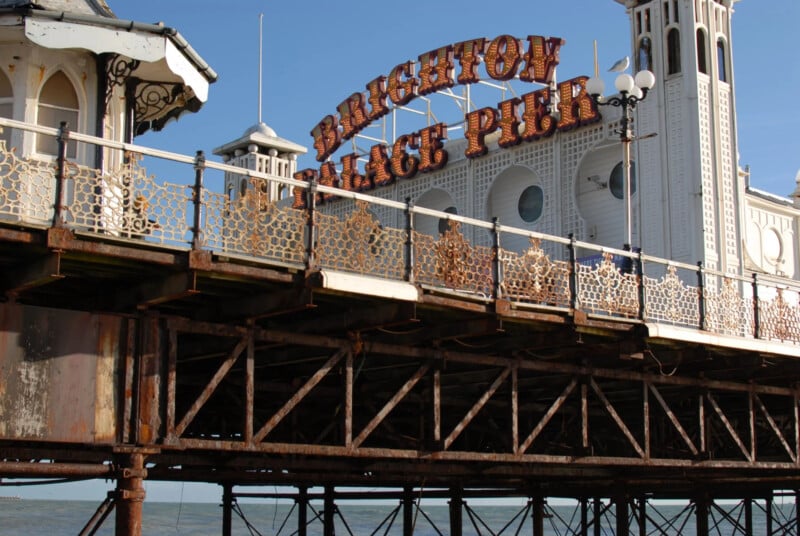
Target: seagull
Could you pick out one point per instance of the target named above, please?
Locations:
(620, 65)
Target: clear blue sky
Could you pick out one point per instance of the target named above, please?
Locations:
(317, 52)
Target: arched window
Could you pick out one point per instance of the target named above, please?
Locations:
(531, 204)
(57, 102)
(702, 53)
(673, 51)
(722, 63)
(6, 105)
(644, 59)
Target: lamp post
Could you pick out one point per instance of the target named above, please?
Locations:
(631, 92)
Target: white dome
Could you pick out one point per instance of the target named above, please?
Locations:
(260, 128)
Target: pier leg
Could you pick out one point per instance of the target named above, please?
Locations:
(408, 511)
(597, 508)
(642, 516)
(748, 516)
(537, 513)
(623, 525)
(456, 526)
(227, 510)
(768, 507)
(584, 517)
(701, 515)
(130, 496)
(328, 514)
(302, 512)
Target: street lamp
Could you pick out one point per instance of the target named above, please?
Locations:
(631, 91)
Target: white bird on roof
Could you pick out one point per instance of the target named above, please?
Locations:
(620, 65)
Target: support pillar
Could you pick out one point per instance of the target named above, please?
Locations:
(701, 515)
(328, 513)
(623, 524)
(227, 510)
(408, 511)
(769, 513)
(642, 516)
(130, 495)
(456, 526)
(748, 516)
(302, 511)
(584, 516)
(598, 512)
(537, 514)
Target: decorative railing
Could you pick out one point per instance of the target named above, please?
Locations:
(340, 231)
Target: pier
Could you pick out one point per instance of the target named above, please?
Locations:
(160, 330)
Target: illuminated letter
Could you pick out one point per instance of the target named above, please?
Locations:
(469, 54)
(377, 98)
(540, 59)
(327, 177)
(479, 124)
(378, 169)
(576, 106)
(299, 194)
(502, 57)
(352, 180)
(404, 165)
(436, 70)
(428, 141)
(400, 91)
(326, 137)
(509, 123)
(538, 121)
(353, 115)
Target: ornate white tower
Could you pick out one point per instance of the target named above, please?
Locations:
(690, 190)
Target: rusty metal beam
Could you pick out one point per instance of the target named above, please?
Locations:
(10, 469)
(773, 425)
(729, 427)
(448, 442)
(265, 304)
(390, 405)
(609, 407)
(34, 273)
(299, 395)
(222, 371)
(548, 415)
(673, 419)
(170, 288)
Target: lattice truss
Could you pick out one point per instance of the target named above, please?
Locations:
(28, 187)
(252, 225)
(533, 277)
(127, 202)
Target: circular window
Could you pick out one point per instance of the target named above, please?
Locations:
(617, 182)
(444, 223)
(531, 204)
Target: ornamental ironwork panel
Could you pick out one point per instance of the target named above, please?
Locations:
(779, 317)
(28, 188)
(357, 242)
(670, 300)
(604, 289)
(728, 312)
(254, 226)
(127, 202)
(533, 277)
(450, 261)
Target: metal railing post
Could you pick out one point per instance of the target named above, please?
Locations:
(638, 269)
(409, 268)
(756, 312)
(701, 296)
(497, 268)
(311, 206)
(573, 274)
(197, 200)
(59, 206)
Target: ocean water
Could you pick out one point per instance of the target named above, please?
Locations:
(67, 518)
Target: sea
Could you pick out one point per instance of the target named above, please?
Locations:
(68, 518)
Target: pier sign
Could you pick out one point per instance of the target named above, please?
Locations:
(526, 118)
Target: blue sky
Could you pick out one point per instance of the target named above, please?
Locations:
(316, 53)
